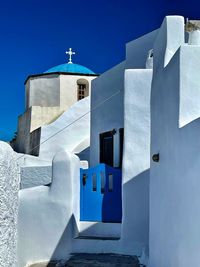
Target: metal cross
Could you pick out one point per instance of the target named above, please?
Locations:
(70, 53)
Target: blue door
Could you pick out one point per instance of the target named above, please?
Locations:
(101, 199)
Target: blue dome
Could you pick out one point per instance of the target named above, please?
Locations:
(70, 67)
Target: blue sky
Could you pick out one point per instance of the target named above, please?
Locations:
(34, 35)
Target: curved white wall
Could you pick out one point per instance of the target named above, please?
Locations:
(46, 214)
(9, 186)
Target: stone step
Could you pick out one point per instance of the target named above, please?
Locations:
(99, 229)
(44, 264)
(95, 260)
(97, 237)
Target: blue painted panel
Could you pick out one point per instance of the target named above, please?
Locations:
(103, 204)
(112, 200)
(71, 68)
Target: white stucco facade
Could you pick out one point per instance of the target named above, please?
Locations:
(136, 163)
(55, 90)
(174, 180)
(134, 229)
(9, 186)
(107, 97)
(107, 109)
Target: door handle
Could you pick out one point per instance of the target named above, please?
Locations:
(84, 179)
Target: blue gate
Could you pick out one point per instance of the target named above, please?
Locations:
(100, 198)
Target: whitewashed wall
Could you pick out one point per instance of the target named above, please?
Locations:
(46, 221)
(77, 123)
(117, 102)
(9, 186)
(47, 97)
(137, 50)
(174, 180)
(136, 163)
(43, 91)
(35, 175)
(25, 160)
(107, 109)
(53, 90)
(69, 87)
(134, 230)
(129, 108)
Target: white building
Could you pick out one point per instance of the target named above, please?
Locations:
(48, 96)
(120, 110)
(175, 128)
(120, 129)
(164, 83)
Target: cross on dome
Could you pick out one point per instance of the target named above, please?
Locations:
(70, 53)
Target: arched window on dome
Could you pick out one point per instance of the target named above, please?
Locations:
(83, 89)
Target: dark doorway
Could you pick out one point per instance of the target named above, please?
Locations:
(106, 148)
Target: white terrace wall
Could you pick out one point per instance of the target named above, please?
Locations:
(9, 186)
(174, 180)
(46, 220)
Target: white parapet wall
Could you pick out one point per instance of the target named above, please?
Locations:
(35, 176)
(46, 217)
(9, 186)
